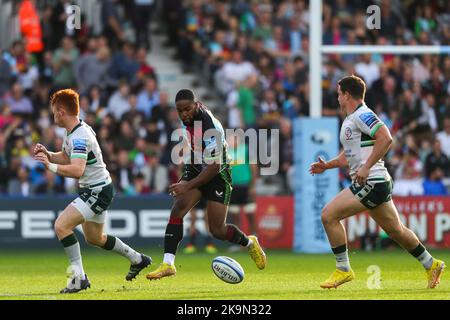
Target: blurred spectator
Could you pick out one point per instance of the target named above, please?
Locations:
(96, 99)
(156, 137)
(51, 186)
(126, 137)
(408, 177)
(241, 103)
(233, 72)
(437, 160)
(133, 116)
(140, 187)
(142, 19)
(433, 185)
(112, 23)
(124, 173)
(269, 109)
(58, 23)
(145, 69)
(124, 65)
(148, 97)
(155, 174)
(19, 185)
(19, 103)
(30, 26)
(367, 69)
(444, 137)
(92, 67)
(64, 61)
(119, 103)
(6, 76)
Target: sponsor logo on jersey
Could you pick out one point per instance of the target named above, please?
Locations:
(79, 145)
(369, 118)
(348, 133)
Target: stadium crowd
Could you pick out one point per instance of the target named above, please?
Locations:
(255, 55)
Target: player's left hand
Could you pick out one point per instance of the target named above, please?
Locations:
(361, 175)
(42, 158)
(178, 189)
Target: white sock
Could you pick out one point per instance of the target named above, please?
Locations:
(425, 259)
(250, 242)
(74, 254)
(342, 261)
(169, 258)
(126, 251)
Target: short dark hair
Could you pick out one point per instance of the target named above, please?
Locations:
(354, 85)
(185, 94)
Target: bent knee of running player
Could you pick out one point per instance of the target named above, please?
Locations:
(344, 205)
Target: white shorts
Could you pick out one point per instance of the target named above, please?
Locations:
(87, 212)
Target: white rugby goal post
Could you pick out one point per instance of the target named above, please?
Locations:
(317, 49)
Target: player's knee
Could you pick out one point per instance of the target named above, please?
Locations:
(326, 216)
(60, 228)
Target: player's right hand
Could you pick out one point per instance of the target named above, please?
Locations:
(40, 148)
(318, 167)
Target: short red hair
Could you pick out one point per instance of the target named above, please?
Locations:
(68, 99)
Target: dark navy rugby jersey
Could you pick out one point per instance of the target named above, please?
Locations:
(207, 139)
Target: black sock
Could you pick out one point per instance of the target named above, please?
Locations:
(173, 236)
(110, 243)
(422, 255)
(234, 235)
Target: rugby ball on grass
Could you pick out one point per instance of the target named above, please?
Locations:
(227, 269)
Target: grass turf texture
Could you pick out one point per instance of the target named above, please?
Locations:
(40, 275)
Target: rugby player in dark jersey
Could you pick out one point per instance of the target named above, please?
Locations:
(207, 175)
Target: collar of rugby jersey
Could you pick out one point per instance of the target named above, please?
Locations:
(76, 127)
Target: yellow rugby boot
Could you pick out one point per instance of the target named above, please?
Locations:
(257, 253)
(164, 270)
(337, 278)
(434, 273)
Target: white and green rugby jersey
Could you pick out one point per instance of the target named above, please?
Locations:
(357, 138)
(82, 143)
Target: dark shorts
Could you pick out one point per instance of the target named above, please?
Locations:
(98, 199)
(372, 195)
(218, 189)
(241, 196)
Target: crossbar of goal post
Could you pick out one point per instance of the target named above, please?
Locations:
(317, 49)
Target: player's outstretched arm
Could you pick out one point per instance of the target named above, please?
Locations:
(73, 170)
(321, 165)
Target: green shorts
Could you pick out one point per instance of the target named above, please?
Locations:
(372, 195)
(217, 189)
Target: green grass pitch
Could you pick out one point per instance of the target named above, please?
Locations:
(41, 274)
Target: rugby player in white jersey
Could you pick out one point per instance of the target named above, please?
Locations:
(365, 140)
(81, 158)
